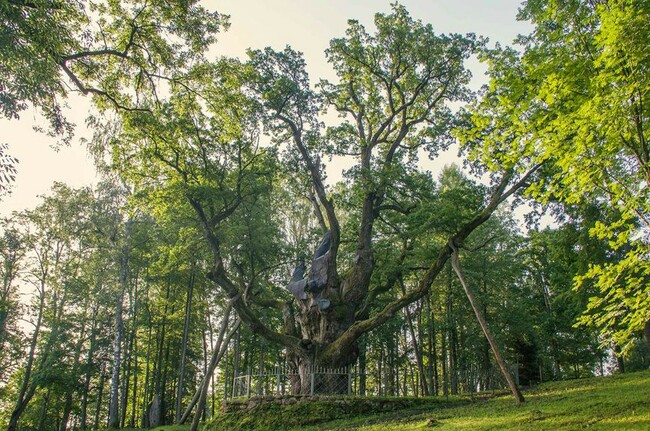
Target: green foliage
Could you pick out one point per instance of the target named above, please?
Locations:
(575, 101)
(553, 259)
(7, 169)
(393, 85)
(12, 257)
(119, 51)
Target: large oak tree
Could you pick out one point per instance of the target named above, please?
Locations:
(393, 94)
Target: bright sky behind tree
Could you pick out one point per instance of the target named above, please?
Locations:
(306, 25)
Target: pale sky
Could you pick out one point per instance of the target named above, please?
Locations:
(306, 25)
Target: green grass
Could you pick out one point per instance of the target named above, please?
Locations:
(185, 427)
(619, 402)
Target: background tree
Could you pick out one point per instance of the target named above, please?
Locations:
(12, 255)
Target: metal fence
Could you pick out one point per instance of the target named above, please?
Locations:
(280, 381)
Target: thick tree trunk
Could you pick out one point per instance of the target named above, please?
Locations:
(479, 316)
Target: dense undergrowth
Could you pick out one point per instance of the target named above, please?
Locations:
(620, 402)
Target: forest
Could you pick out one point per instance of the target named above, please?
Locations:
(216, 258)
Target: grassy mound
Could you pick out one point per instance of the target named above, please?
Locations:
(273, 416)
(619, 402)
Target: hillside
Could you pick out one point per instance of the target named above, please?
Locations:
(620, 402)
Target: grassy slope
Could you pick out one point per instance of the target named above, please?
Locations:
(619, 402)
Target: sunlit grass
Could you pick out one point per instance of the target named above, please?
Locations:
(611, 403)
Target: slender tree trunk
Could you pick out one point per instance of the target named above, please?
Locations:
(620, 361)
(100, 396)
(479, 315)
(44, 407)
(133, 362)
(24, 394)
(432, 350)
(219, 350)
(75, 370)
(144, 423)
(89, 369)
(260, 365)
(416, 350)
(186, 330)
(236, 355)
(10, 256)
(126, 377)
(134, 393)
(113, 409)
(444, 358)
(362, 367)
(453, 338)
(114, 405)
(155, 411)
(555, 351)
(425, 378)
(163, 387)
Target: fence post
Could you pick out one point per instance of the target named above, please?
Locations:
(517, 372)
(277, 386)
(248, 386)
(349, 369)
(313, 378)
